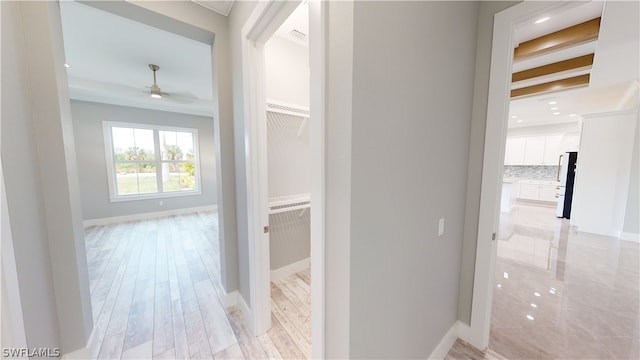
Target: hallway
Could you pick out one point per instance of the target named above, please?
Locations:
(156, 293)
(563, 294)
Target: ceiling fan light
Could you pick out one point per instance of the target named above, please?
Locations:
(155, 92)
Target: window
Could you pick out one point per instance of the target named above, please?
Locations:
(151, 161)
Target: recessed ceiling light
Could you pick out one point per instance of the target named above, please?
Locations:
(555, 108)
(529, 317)
(534, 305)
(572, 114)
(536, 293)
(67, 66)
(519, 121)
(513, 117)
(556, 113)
(539, 21)
(553, 102)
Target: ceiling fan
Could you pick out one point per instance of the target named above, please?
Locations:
(156, 93)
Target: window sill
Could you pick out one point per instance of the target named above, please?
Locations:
(166, 195)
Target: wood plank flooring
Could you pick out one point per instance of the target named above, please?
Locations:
(156, 294)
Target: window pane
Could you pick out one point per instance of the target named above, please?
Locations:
(132, 144)
(135, 178)
(144, 144)
(147, 178)
(126, 178)
(178, 176)
(176, 145)
(122, 140)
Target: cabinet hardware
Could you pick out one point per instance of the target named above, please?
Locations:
(265, 229)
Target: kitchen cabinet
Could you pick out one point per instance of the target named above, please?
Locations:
(551, 150)
(514, 152)
(548, 193)
(538, 190)
(529, 192)
(534, 150)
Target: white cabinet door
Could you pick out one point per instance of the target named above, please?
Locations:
(573, 143)
(552, 150)
(514, 153)
(534, 150)
(548, 193)
(529, 191)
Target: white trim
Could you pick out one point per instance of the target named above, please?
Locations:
(259, 27)
(464, 331)
(288, 270)
(317, 56)
(627, 236)
(447, 341)
(247, 314)
(493, 161)
(230, 299)
(88, 352)
(146, 216)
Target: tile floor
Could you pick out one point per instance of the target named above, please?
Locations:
(561, 294)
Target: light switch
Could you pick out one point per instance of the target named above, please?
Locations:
(441, 227)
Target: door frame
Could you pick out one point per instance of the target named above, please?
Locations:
(493, 160)
(264, 20)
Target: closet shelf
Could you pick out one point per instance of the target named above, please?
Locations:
(280, 204)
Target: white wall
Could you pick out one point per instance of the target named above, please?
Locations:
(413, 75)
(89, 139)
(40, 175)
(239, 14)
(286, 71)
(603, 172)
(631, 227)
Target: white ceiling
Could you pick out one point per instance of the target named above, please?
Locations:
(614, 75)
(220, 6)
(109, 62)
(299, 21)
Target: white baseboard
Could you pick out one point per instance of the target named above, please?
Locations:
(447, 341)
(464, 331)
(88, 352)
(288, 270)
(630, 237)
(146, 216)
(230, 299)
(246, 311)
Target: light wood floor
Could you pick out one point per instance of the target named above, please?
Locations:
(156, 293)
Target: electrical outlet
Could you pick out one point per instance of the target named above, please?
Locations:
(441, 227)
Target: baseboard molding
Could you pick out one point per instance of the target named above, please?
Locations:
(464, 331)
(447, 341)
(88, 352)
(288, 270)
(246, 312)
(630, 237)
(230, 299)
(146, 216)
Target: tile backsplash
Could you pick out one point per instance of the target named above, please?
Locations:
(535, 172)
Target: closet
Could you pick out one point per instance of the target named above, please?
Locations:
(289, 186)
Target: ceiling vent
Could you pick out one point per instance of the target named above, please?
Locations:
(299, 34)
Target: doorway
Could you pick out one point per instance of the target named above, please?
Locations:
(494, 160)
(262, 24)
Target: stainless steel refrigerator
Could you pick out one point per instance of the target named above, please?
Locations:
(566, 180)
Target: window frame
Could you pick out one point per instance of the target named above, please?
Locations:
(107, 127)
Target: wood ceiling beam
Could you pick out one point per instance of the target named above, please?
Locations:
(560, 66)
(571, 36)
(552, 86)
